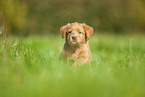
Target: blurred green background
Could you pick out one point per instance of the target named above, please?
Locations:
(25, 17)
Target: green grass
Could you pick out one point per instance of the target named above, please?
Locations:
(30, 67)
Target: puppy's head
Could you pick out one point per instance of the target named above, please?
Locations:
(76, 33)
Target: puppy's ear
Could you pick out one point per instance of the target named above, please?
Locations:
(88, 30)
(63, 30)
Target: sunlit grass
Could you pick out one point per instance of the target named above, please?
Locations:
(30, 67)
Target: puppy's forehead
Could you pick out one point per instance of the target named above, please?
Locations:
(76, 26)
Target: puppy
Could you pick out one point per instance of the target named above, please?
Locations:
(76, 47)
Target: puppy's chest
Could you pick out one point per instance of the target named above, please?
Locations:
(74, 55)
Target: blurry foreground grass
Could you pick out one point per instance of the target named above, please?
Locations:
(30, 67)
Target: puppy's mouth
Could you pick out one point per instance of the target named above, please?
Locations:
(73, 43)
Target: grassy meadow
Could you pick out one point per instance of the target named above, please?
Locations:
(30, 67)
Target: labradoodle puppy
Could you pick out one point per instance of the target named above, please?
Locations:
(76, 47)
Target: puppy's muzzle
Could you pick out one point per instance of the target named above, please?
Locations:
(74, 37)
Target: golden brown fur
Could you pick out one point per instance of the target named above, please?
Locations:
(76, 47)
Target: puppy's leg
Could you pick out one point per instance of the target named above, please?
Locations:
(82, 61)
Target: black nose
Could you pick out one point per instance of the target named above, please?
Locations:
(73, 37)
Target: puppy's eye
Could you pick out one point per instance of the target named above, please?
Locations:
(79, 32)
(69, 32)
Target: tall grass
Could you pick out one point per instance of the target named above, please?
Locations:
(30, 67)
